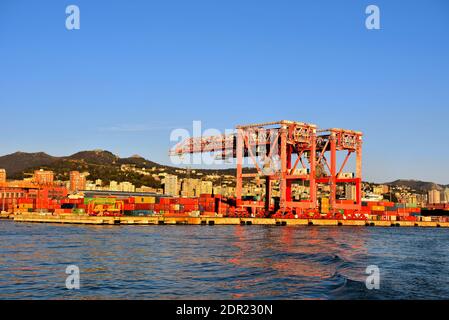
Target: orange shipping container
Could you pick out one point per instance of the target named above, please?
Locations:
(371, 203)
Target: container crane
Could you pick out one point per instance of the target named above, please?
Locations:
(284, 151)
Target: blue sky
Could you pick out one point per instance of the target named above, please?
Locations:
(137, 69)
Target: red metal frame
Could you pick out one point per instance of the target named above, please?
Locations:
(279, 141)
(285, 139)
(332, 141)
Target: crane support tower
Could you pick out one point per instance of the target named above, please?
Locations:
(286, 152)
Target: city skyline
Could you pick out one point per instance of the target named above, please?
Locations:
(177, 168)
(127, 78)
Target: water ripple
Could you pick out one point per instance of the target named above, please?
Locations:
(221, 262)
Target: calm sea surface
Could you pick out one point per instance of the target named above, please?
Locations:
(222, 262)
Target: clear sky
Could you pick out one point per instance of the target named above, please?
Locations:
(137, 69)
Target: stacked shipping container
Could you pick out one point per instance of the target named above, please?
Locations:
(205, 205)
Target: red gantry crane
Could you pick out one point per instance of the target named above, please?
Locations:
(286, 152)
(334, 140)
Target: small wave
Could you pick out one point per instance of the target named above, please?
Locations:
(322, 258)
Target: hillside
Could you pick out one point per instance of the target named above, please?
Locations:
(417, 185)
(100, 164)
(105, 165)
(95, 157)
(139, 161)
(17, 162)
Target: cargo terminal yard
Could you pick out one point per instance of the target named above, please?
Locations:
(305, 155)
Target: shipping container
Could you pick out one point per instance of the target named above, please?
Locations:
(105, 201)
(146, 199)
(345, 201)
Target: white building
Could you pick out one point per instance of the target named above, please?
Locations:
(206, 187)
(171, 185)
(126, 187)
(113, 186)
(434, 196)
(350, 192)
(446, 195)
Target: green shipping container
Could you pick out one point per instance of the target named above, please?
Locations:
(106, 201)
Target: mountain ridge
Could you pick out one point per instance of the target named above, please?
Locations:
(19, 163)
(100, 164)
(417, 184)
